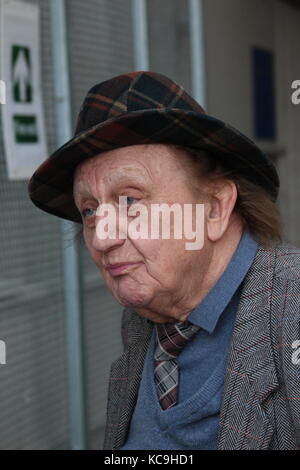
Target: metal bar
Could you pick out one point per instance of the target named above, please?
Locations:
(71, 260)
(197, 50)
(140, 35)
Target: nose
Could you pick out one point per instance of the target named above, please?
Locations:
(110, 229)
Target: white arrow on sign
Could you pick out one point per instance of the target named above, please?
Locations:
(21, 74)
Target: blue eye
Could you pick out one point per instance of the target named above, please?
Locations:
(87, 212)
(130, 202)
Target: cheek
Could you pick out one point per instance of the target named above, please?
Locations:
(146, 248)
(162, 257)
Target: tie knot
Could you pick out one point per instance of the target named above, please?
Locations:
(172, 338)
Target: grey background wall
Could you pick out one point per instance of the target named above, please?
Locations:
(33, 392)
(169, 41)
(233, 28)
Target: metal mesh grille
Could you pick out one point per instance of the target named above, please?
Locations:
(33, 398)
(33, 392)
(101, 37)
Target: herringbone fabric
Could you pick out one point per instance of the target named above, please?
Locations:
(171, 339)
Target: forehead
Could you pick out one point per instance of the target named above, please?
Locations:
(138, 162)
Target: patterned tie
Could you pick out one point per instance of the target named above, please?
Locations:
(171, 339)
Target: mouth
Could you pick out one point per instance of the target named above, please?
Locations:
(120, 268)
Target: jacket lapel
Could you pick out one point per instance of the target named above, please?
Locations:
(125, 376)
(250, 375)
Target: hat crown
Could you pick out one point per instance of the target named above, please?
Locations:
(131, 92)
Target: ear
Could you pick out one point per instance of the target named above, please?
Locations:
(220, 208)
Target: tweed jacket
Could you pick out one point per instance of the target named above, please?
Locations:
(261, 401)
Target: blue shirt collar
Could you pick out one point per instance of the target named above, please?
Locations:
(207, 313)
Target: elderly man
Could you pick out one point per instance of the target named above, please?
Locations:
(211, 335)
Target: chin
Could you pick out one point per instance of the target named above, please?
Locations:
(130, 293)
(134, 301)
(132, 297)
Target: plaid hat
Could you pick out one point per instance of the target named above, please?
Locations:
(142, 108)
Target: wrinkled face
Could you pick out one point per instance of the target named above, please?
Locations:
(161, 273)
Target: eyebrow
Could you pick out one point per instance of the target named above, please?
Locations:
(80, 194)
(122, 180)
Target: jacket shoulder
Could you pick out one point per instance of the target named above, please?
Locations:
(286, 327)
(287, 262)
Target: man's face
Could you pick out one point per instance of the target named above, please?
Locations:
(164, 274)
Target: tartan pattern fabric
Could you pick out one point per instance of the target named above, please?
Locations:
(260, 407)
(141, 108)
(171, 339)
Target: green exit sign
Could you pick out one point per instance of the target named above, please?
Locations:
(25, 128)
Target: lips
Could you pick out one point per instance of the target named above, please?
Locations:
(119, 268)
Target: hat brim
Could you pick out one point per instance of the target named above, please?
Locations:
(51, 186)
